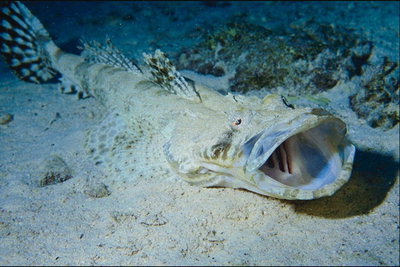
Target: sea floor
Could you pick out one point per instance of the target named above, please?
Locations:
(92, 219)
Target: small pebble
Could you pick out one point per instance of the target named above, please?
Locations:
(5, 118)
(91, 115)
(154, 220)
(97, 190)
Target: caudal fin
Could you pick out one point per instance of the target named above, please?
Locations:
(22, 43)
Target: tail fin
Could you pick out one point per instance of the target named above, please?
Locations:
(23, 38)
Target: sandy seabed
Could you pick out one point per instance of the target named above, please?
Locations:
(150, 221)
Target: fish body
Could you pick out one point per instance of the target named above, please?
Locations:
(208, 139)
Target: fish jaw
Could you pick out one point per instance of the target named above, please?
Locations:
(306, 158)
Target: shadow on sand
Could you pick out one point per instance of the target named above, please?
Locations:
(372, 178)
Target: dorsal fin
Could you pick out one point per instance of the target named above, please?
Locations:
(165, 74)
(94, 52)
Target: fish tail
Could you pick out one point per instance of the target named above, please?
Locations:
(23, 39)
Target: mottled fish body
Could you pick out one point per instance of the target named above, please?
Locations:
(208, 139)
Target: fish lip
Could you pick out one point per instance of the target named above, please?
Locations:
(269, 139)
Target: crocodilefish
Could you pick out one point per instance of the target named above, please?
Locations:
(205, 137)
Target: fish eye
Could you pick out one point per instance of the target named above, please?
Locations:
(237, 122)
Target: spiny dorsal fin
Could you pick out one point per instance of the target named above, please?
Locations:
(165, 74)
(94, 52)
(22, 43)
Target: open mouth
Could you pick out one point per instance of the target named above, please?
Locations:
(308, 159)
(279, 161)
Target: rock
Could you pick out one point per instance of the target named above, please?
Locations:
(305, 59)
(377, 99)
(154, 220)
(54, 170)
(5, 118)
(97, 190)
(91, 115)
(121, 217)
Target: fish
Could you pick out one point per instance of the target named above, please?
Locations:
(160, 121)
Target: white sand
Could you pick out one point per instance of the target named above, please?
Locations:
(150, 221)
(160, 222)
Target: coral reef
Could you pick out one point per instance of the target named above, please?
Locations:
(377, 101)
(305, 59)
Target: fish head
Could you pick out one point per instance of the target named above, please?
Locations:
(267, 147)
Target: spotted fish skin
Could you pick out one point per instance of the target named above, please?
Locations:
(263, 145)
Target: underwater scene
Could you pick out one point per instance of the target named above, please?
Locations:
(199, 133)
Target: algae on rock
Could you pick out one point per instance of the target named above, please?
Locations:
(304, 59)
(301, 61)
(377, 101)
